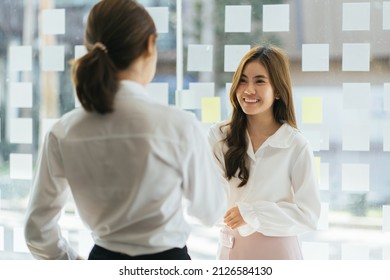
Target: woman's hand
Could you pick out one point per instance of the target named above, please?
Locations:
(233, 218)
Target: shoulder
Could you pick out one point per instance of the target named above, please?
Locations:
(219, 130)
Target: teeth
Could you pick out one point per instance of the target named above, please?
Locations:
(251, 100)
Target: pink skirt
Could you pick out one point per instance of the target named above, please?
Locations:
(233, 246)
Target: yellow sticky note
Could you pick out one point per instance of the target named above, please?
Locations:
(312, 109)
(211, 109)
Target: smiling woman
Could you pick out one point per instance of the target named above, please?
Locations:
(274, 195)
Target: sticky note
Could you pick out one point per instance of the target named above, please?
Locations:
(187, 100)
(386, 218)
(21, 166)
(312, 109)
(233, 56)
(21, 131)
(356, 16)
(315, 57)
(356, 95)
(356, 57)
(53, 58)
(160, 16)
(211, 109)
(355, 130)
(276, 18)
(20, 58)
(314, 138)
(238, 18)
(21, 95)
(354, 252)
(200, 58)
(53, 21)
(317, 162)
(355, 177)
(386, 15)
(315, 250)
(159, 92)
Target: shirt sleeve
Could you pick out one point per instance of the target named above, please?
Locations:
(49, 194)
(287, 218)
(204, 188)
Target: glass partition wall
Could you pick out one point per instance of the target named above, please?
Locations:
(340, 64)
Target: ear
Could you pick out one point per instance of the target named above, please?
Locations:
(151, 49)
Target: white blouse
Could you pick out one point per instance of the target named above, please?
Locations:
(128, 172)
(281, 197)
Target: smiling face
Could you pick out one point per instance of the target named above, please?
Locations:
(255, 93)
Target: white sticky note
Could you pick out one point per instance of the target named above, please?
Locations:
(315, 57)
(386, 15)
(386, 96)
(323, 222)
(356, 130)
(1, 238)
(355, 177)
(21, 166)
(187, 100)
(238, 18)
(159, 92)
(233, 56)
(19, 240)
(53, 58)
(315, 250)
(354, 252)
(324, 177)
(276, 18)
(356, 16)
(192, 99)
(356, 95)
(20, 58)
(200, 58)
(386, 218)
(160, 16)
(202, 89)
(21, 95)
(53, 21)
(356, 57)
(21, 131)
(79, 51)
(386, 136)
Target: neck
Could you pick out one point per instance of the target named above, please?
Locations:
(135, 72)
(262, 126)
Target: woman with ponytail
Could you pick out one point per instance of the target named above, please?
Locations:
(127, 161)
(268, 163)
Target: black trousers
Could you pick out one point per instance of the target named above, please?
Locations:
(100, 253)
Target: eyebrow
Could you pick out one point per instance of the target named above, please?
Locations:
(255, 77)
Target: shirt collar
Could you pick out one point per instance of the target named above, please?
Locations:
(282, 139)
(129, 88)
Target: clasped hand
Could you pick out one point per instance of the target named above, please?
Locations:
(233, 218)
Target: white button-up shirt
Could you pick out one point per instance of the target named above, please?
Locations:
(281, 197)
(128, 172)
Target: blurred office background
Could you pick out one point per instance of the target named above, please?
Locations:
(339, 52)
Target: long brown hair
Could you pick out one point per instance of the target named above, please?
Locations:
(116, 34)
(276, 63)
